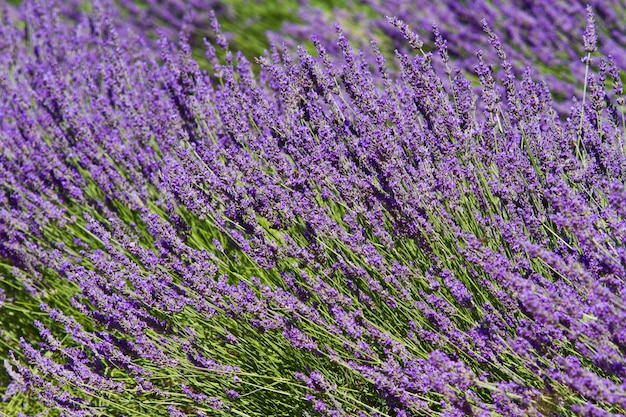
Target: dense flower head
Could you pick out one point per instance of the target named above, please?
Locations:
(328, 237)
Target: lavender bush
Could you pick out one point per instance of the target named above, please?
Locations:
(320, 239)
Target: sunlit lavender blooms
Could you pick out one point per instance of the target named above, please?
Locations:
(322, 238)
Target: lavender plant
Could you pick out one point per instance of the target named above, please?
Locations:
(320, 239)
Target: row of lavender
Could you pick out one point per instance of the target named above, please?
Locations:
(543, 35)
(322, 239)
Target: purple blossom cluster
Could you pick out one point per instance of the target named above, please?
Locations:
(318, 239)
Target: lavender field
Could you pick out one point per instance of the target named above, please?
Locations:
(382, 208)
